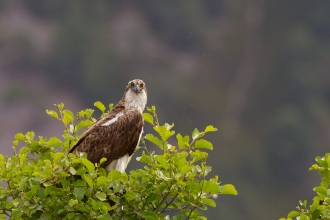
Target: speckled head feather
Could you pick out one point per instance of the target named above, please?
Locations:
(136, 95)
(116, 135)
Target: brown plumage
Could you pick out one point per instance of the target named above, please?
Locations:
(116, 135)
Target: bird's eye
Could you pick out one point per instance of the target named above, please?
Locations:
(131, 85)
(142, 86)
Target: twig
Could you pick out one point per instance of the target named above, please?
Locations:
(191, 212)
(5, 212)
(165, 197)
(170, 202)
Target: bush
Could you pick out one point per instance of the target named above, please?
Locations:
(320, 208)
(43, 181)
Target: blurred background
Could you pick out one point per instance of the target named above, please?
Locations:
(257, 70)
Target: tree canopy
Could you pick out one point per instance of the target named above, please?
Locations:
(43, 181)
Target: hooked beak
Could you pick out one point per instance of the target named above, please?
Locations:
(136, 89)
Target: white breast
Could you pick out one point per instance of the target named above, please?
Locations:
(137, 101)
(119, 164)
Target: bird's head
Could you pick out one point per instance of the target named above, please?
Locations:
(136, 95)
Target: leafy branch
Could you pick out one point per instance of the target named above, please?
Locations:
(320, 207)
(44, 181)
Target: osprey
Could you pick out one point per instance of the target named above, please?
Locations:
(116, 135)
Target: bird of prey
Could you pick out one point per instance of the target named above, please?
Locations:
(116, 135)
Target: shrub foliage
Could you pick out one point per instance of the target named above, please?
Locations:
(320, 207)
(43, 181)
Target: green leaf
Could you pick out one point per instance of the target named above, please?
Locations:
(101, 180)
(79, 183)
(148, 215)
(103, 160)
(65, 183)
(89, 181)
(207, 170)
(110, 106)
(115, 175)
(185, 169)
(202, 206)
(314, 167)
(151, 197)
(304, 203)
(162, 161)
(204, 144)
(168, 126)
(30, 136)
(164, 131)
(228, 189)
(328, 159)
(195, 133)
(214, 188)
(15, 143)
(181, 158)
(52, 113)
(16, 214)
(70, 215)
(54, 141)
(81, 125)
(73, 202)
(209, 202)
(196, 213)
(148, 118)
(152, 109)
(67, 116)
(161, 175)
(101, 196)
(183, 142)
(322, 162)
(210, 128)
(89, 113)
(198, 155)
(130, 195)
(293, 214)
(81, 171)
(72, 170)
(79, 192)
(153, 139)
(59, 106)
(102, 172)
(193, 185)
(81, 113)
(100, 106)
(144, 159)
(2, 163)
(20, 136)
(321, 190)
(89, 165)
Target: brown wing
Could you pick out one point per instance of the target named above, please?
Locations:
(112, 141)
